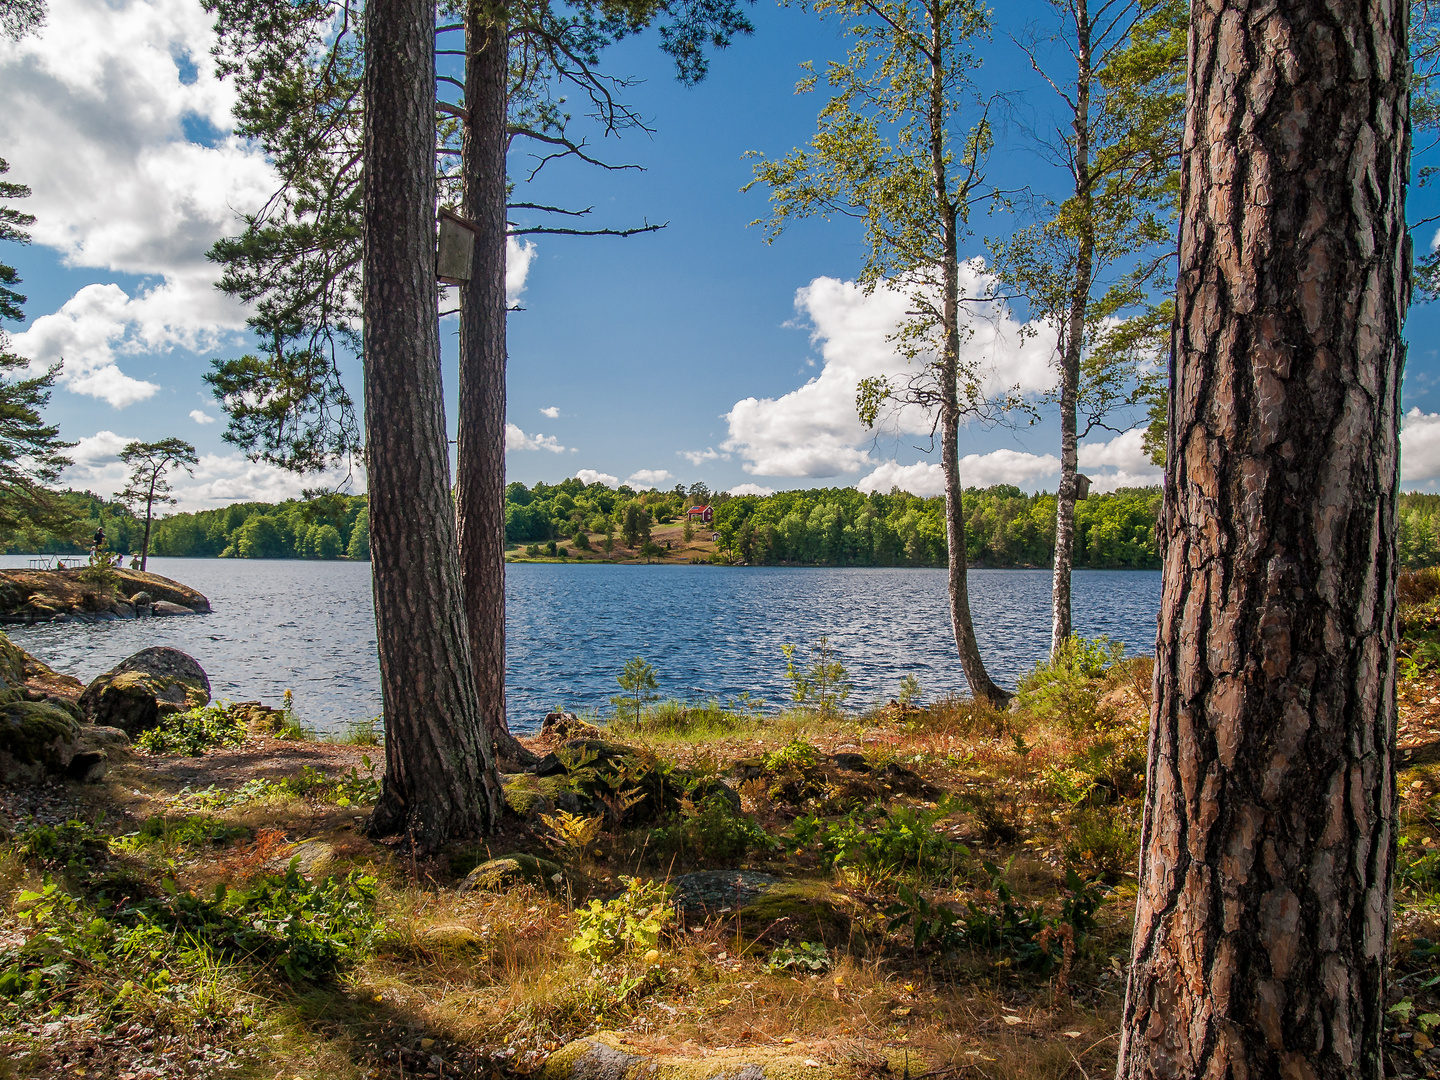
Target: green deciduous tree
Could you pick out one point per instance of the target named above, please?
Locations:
(901, 147)
(151, 464)
(1123, 104)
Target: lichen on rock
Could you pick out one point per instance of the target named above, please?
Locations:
(36, 738)
(141, 689)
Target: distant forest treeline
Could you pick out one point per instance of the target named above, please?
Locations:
(845, 527)
(323, 528)
(824, 526)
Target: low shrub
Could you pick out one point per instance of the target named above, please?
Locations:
(75, 846)
(713, 832)
(903, 839)
(1105, 842)
(633, 921)
(348, 789)
(194, 731)
(1066, 688)
(808, 956)
(304, 931)
(999, 922)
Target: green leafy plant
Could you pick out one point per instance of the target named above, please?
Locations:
(796, 754)
(1066, 688)
(74, 845)
(194, 731)
(349, 789)
(711, 832)
(903, 839)
(640, 685)
(807, 956)
(1036, 941)
(823, 685)
(634, 920)
(1105, 842)
(574, 833)
(196, 830)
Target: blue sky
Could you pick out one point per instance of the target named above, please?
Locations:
(696, 353)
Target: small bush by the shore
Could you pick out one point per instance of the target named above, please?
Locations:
(194, 731)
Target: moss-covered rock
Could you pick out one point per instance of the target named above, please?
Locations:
(804, 911)
(602, 1057)
(141, 689)
(12, 663)
(36, 738)
(508, 870)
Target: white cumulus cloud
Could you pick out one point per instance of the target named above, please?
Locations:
(552, 412)
(115, 119)
(515, 439)
(86, 333)
(699, 457)
(1125, 453)
(201, 417)
(649, 478)
(918, 479)
(591, 476)
(751, 489)
(518, 258)
(216, 480)
(1419, 446)
(813, 431)
(976, 470)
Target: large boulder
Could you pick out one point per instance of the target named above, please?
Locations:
(36, 738)
(141, 689)
(499, 875)
(45, 738)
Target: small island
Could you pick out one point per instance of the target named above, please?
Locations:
(31, 596)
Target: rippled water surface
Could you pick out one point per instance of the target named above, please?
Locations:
(309, 626)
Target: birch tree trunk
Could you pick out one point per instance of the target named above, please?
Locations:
(1072, 340)
(982, 687)
(480, 434)
(440, 779)
(1268, 846)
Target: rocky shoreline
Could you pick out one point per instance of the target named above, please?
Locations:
(32, 596)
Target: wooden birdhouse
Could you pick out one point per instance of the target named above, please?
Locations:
(456, 250)
(1082, 486)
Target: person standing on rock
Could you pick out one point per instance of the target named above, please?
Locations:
(99, 539)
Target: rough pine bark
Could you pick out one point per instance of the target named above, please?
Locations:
(480, 435)
(440, 779)
(1268, 845)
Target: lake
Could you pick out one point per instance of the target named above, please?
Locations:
(710, 631)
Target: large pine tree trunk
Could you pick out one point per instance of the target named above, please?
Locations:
(1268, 846)
(440, 779)
(480, 441)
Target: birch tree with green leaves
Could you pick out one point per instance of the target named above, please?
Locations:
(1106, 248)
(900, 148)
